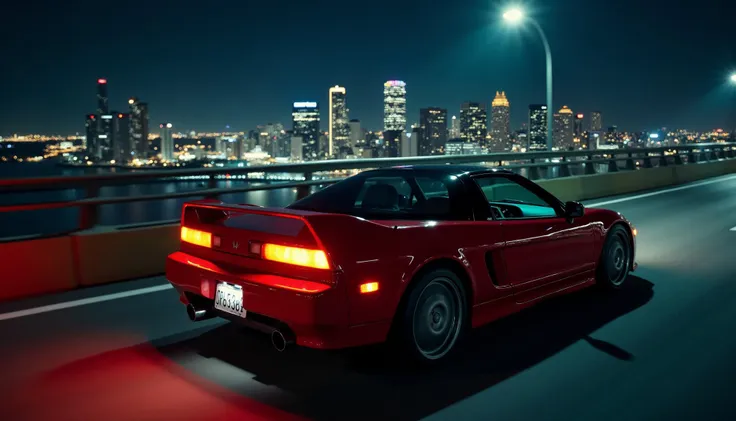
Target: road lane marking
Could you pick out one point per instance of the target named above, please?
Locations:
(84, 301)
(656, 193)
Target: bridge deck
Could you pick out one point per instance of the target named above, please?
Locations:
(661, 350)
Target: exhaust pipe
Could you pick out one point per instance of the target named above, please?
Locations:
(281, 341)
(197, 314)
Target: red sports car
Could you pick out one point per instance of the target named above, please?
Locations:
(412, 255)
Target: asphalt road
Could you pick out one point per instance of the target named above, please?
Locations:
(663, 348)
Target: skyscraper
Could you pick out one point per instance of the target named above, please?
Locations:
(596, 121)
(121, 137)
(394, 105)
(473, 122)
(104, 149)
(500, 123)
(579, 138)
(537, 127)
(563, 128)
(167, 142)
(99, 143)
(138, 128)
(239, 147)
(455, 128)
(409, 146)
(102, 106)
(432, 135)
(578, 128)
(357, 137)
(90, 139)
(339, 135)
(305, 124)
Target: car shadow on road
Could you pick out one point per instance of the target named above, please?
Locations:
(364, 384)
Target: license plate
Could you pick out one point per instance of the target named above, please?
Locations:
(229, 298)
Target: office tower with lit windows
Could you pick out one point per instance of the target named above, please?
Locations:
(432, 134)
(102, 101)
(455, 128)
(138, 128)
(296, 148)
(394, 105)
(339, 131)
(121, 137)
(579, 135)
(410, 143)
(100, 146)
(167, 142)
(323, 145)
(394, 116)
(357, 134)
(578, 126)
(596, 121)
(273, 140)
(563, 128)
(90, 131)
(537, 127)
(240, 147)
(500, 123)
(305, 124)
(105, 138)
(473, 123)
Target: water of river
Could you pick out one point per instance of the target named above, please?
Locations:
(52, 221)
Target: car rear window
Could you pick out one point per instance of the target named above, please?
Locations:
(385, 197)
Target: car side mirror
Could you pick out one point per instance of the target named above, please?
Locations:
(574, 210)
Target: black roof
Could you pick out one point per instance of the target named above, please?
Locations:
(449, 169)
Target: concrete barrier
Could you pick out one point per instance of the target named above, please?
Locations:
(105, 255)
(38, 266)
(609, 184)
(694, 172)
(566, 189)
(116, 255)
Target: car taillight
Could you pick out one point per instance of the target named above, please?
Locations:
(199, 238)
(295, 256)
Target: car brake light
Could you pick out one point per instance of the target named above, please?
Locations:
(196, 237)
(368, 287)
(295, 256)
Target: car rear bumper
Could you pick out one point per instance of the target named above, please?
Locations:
(316, 320)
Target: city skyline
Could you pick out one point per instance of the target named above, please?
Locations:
(629, 74)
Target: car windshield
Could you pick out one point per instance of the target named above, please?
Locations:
(391, 196)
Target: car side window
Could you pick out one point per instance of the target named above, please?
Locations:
(510, 200)
(385, 193)
(404, 198)
(431, 187)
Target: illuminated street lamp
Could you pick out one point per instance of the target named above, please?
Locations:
(516, 16)
(732, 79)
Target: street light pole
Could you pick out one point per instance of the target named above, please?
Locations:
(516, 15)
(732, 136)
(550, 110)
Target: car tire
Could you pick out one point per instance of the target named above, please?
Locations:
(615, 260)
(433, 318)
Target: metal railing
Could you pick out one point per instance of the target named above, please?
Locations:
(318, 173)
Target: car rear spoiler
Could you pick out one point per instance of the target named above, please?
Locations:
(216, 210)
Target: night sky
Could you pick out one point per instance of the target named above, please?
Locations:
(204, 65)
